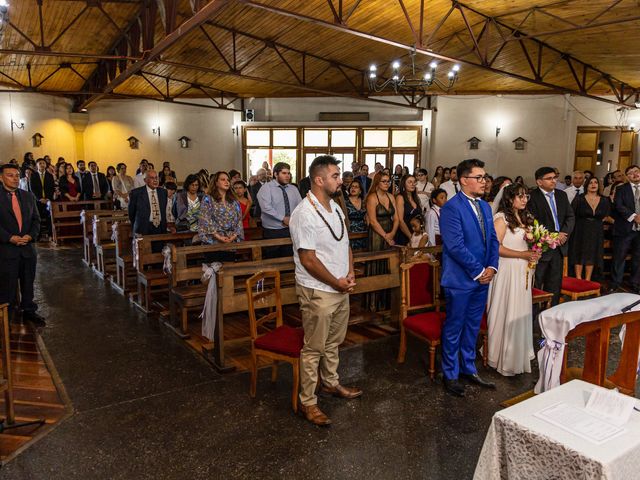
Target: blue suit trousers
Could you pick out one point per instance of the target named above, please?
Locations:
(460, 332)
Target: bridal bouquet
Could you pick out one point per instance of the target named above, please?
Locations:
(540, 239)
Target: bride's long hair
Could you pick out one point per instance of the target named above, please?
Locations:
(509, 194)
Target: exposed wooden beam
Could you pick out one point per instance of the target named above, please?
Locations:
(615, 84)
(197, 19)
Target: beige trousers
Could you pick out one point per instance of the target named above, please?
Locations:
(325, 316)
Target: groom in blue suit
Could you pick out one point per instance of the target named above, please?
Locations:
(469, 261)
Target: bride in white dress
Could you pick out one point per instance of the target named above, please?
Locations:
(509, 306)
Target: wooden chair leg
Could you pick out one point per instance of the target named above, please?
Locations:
(432, 362)
(296, 385)
(274, 371)
(402, 352)
(254, 374)
(184, 314)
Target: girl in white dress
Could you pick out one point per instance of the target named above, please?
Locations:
(510, 321)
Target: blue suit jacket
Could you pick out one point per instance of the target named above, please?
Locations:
(464, 254)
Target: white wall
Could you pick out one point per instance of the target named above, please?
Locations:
(112, 122)
(46, 115)
(549, 123)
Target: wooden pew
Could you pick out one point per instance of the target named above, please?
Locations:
(148, 264)
(103, 243)
(65, 218)
(188, 293)
(597, 335)
(182, 300)
(125, 278)
(86, 220)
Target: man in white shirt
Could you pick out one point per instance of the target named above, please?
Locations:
(324, 279)
(577, 185)
(424, 188)
(140, 177)
(451, 186)
(617, 177)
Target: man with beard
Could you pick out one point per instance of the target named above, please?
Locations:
(324, 279)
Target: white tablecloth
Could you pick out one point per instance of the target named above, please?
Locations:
(521, 446)
(557, 322)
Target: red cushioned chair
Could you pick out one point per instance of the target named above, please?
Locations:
(280, 342)
(542, 298)
(420, 283)
(577, 288)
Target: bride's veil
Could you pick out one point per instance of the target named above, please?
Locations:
(496, 201)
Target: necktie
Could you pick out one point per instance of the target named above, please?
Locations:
(287, 207)
(455, 185)
(96, 185)
(16, 209)
(554, 211)
(155, 210)
(42, 181)
(476, 206)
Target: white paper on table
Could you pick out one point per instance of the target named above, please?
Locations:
(577, 421)
(611, 405)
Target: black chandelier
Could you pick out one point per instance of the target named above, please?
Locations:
(412, 81)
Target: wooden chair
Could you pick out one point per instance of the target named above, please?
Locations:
(576, 288)
(6, 381)
(281, 342)
(542, 298)
(417, 274)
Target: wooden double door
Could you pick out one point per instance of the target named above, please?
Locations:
(590, 149)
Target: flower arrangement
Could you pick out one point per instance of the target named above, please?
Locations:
(540, 239)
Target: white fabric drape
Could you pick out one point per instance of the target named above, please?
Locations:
(558, 321)
(210, 310)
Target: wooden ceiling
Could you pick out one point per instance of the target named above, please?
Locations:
(222, 50)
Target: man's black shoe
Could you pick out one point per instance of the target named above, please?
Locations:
(475, 378)
(454, 387)
(33, 317)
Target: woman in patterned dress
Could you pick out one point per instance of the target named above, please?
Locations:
(220, 214)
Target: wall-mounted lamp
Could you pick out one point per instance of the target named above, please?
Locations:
(497, 131)
(235, 130)
(19, 125)
(156, 130)
(632, 127)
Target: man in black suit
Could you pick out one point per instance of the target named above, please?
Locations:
(148, 207)
(552, 209)
(19, 228)
(626, 229)
(95, 185)
(42, 186)
(364, 179)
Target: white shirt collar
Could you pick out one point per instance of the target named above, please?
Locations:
(470, 198)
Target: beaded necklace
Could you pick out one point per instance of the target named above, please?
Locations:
(336, 238)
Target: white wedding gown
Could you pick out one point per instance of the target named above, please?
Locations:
(510, 310)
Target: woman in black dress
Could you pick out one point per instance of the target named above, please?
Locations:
(357, 212)
(591, 210)
(408, 205)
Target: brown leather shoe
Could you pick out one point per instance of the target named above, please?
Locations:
(313, 414)
(342, 392)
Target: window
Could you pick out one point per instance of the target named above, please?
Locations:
(316, 138)
(376, 138)
(298, 146)
(404, 138)
(258, 138)
(406, 160)
(285, 138)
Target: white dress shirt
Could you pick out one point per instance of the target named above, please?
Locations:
(424, 189)
(433, 224)
(309, 232)
(573, 191)
(450, 188)
(139, 180)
